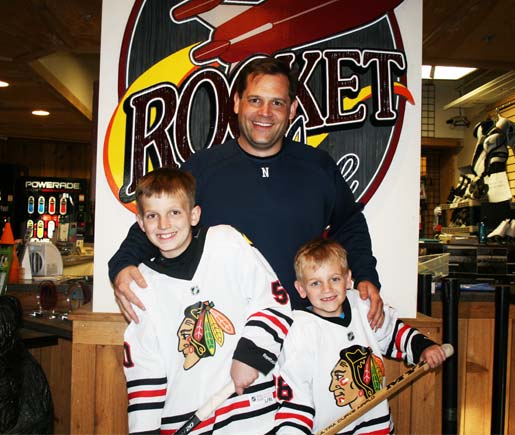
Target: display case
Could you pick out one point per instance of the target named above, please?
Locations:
(487, 261)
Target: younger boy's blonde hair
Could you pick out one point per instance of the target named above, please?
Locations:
(318, 251)
(166, 181)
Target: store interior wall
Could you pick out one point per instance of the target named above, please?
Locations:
(57, 158)
(48, 158)
(72, 159)
(456, 145)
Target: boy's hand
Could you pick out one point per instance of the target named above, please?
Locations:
(123, 293)
(242, 375)
(434, 355)
(367, 290)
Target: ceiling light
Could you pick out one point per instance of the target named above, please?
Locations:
(427, 71)
(40, 113)
(445, 72)
(3, 84)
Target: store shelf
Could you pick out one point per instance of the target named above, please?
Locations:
(461, 204)
(460, 230)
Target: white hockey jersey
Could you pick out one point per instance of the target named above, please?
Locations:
(329, 363)
(218, 299)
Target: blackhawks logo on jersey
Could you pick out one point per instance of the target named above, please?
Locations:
(357, 375)
(202, 329)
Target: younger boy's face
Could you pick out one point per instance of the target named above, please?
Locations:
(167, 222)
(325, 287)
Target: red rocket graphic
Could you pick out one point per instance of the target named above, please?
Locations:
(277, 24)
(192, 8)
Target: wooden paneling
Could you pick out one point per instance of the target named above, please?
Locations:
(31, 30)
(110, 382)
(48, 158)
(442, 143)
(510, 403)
(476, 329)
(82, 405)
(476, 415)
(99, 332)
(99, 395)
(56, 363)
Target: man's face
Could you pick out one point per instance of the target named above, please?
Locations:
(264, 113)
(167, 222)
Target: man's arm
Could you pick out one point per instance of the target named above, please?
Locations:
(133, 250)
(368, 290)
(123, 270)
(348, 225)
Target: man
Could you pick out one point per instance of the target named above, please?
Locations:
(278, 192)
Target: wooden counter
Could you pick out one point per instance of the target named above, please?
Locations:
(88, 385)
(55, 359)
(98, 394)
(475, 366)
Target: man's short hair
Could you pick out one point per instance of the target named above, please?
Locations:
(166, 181)
(318, 251)
(269, 66)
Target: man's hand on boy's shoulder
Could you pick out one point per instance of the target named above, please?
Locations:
(367, 290)
(434, 355)
(242, 375)
(125, 297)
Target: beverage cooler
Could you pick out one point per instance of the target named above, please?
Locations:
(52, 208)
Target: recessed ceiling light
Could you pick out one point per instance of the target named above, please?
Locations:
(445, 72)
(3, 84)
(40, 113)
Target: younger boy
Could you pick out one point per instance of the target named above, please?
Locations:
(214, 311)
(331, 360)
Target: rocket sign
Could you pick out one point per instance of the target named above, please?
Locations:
(177, 67)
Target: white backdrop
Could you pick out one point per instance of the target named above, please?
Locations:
(392, 213)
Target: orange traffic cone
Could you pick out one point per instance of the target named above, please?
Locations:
(7, 235)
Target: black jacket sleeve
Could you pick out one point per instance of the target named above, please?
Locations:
(348, 225)
(134, 249)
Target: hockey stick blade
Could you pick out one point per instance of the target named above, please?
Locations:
(407, 377)
(207, 408)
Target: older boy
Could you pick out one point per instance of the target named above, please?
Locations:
(216, 311)
(331, 360)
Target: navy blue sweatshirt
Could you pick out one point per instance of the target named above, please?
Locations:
(278, 202)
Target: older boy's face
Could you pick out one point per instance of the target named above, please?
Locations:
(325, 287)
(167, 222)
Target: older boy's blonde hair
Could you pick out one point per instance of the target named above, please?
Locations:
(166, 181)
(316, 252)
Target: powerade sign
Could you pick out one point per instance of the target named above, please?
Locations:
(178, 62)
(54, 185)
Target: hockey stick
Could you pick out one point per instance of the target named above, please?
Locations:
(207, 408)
(407, 377)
